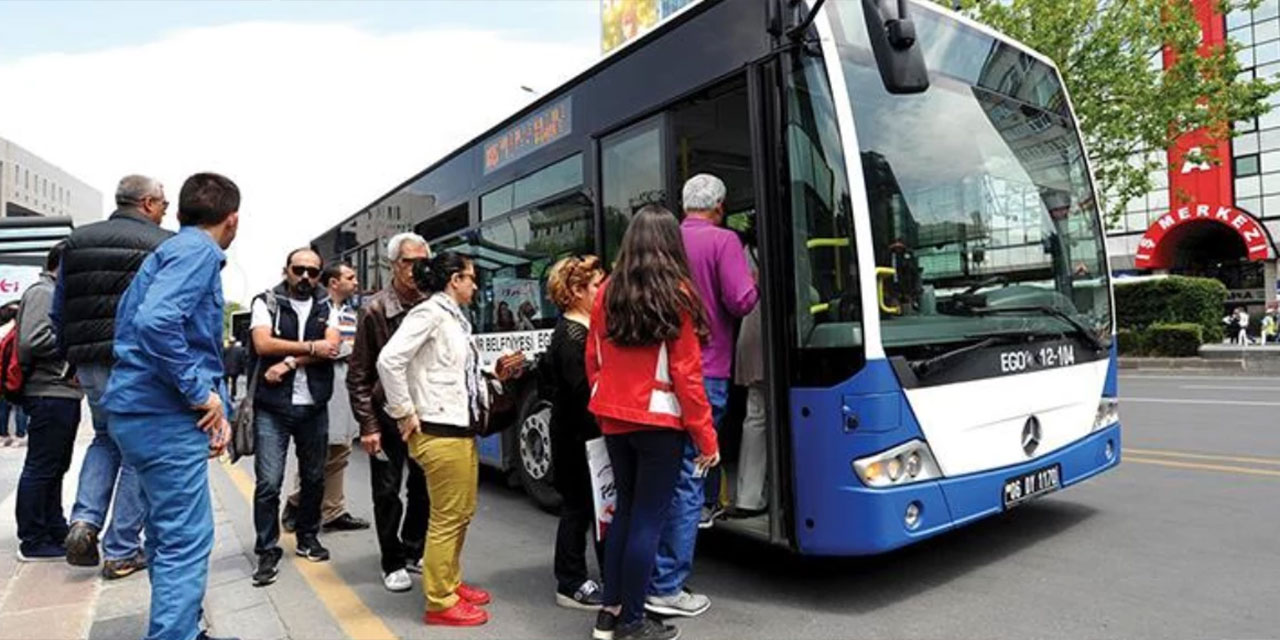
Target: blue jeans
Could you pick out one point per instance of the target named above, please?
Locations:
(19, 419)
(39, 501)
(646, 465)
(98, 478)
(171, 456)
(680, 531)
(309, 428)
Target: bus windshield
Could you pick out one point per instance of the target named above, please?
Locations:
(983, 217)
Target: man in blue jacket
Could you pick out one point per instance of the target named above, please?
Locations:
(165, 397)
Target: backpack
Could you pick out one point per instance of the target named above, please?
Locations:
(12, 376)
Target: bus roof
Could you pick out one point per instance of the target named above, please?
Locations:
(609, 59)
(613, 57)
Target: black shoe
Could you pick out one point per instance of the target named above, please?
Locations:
(346, 522)
(605, 624)
(289, 519)
(648, 629)
(739, 513)
(268, 569)
(309, 547)
(206, 636)
(82, 545)
(587, 597)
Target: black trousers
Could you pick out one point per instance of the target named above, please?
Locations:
(52, 436)
(402, 528)
(577, 514)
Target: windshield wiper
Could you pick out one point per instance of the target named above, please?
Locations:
(923, 368)
(1078, 327)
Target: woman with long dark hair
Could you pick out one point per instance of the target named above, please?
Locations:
(430, 372)
(644, 364)
(572, 284)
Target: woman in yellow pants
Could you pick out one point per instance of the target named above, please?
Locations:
(430, 371)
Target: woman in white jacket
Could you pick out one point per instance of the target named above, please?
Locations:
(430, 371)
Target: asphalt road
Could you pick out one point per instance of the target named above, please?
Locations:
(1179, 542)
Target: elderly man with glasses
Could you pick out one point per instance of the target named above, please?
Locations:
(402, 528)
(99, 262)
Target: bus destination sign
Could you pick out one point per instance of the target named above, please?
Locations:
(533, 133)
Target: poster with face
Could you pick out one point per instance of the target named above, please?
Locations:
(517, 303)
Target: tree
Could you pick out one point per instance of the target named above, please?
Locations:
(1109, 54)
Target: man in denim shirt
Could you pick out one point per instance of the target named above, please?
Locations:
(165, 397)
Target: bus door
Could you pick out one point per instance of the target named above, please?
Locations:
(714, 130)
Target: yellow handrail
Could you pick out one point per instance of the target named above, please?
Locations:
(881, 274)
(815, 243)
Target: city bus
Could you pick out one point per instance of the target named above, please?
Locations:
(914, 193)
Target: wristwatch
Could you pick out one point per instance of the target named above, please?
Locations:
(291, 362)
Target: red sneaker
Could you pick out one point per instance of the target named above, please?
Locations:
(463, 614)
(474, 595)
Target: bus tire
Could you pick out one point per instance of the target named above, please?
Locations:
(533, 465)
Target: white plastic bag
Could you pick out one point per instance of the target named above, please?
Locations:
(604, 495)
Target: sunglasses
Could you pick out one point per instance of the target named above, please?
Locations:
(299, 270)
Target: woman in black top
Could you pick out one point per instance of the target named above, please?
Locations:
(572, 284)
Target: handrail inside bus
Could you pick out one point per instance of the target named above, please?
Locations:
(817, 243)
(883, 273)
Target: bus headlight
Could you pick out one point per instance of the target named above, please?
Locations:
(904, 464)
(1108, 413)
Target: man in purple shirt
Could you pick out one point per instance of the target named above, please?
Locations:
(718, 264)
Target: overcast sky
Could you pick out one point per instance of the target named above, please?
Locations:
(313, 108)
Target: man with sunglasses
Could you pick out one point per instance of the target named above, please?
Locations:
(294, 342)
(98, 264)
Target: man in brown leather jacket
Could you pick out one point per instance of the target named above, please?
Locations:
(401, 544)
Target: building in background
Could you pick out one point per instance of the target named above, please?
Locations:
(32, 186)
(1216, 219)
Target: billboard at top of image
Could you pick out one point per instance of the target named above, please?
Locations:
(623, 20)
(534, 132)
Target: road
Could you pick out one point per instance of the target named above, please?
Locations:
(1181, 541)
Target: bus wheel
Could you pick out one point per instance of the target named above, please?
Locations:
(534, 441)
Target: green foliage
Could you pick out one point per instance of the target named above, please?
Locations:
(1180, 340)
(1132, 342)
(1172, 300)
(1108, 52)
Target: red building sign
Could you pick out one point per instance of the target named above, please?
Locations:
(1200, 178)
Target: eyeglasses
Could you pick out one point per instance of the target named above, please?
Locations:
(163, 203)
(300, 270)
(409, 260)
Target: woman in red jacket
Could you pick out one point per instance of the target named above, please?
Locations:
(644, 364)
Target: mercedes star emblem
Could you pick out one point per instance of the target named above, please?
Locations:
(1031, 435)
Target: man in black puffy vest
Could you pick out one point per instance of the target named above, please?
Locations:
(98, 263)
(294, 342)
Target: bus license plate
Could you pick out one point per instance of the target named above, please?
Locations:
(1031, 485)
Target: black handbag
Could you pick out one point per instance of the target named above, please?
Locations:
(243, 433)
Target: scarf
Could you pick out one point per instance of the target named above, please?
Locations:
(476, 392)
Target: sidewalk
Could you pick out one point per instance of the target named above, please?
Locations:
(54, 601)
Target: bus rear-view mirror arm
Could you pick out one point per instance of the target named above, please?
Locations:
(898, 54)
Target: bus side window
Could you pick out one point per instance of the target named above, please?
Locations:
(632, 173)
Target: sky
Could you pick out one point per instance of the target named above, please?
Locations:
(313, 108)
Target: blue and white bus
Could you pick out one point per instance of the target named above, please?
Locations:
(936, 297)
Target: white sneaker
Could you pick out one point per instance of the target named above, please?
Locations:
(686, 603)
(397, 581)
(414, 566)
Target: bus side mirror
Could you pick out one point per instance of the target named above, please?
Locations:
(893, 40)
